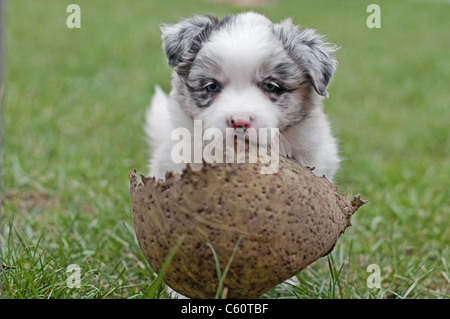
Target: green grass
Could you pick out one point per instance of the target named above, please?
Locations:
(73, 110)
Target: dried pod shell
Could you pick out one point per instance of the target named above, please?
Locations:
(286, 220)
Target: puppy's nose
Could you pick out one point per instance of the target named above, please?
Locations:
(243, 122)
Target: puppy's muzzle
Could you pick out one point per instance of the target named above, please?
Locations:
(240, 122)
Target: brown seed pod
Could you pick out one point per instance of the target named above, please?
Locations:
(285, 220)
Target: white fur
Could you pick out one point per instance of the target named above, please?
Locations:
(162, 117)
(242, 48)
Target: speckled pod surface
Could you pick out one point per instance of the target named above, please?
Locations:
(286, 221)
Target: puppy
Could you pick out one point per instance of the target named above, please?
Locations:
(245, 72)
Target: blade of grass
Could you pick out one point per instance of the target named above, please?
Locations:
(413, 285)
(151, 291)
(221, 277)
(334, 277)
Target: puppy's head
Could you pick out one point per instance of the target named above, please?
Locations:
(244, 71)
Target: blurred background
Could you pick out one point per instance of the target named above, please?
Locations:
(73, 113)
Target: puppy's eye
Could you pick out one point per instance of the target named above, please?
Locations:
(212, 87)
(272, 87)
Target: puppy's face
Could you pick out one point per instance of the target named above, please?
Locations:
(244, 71)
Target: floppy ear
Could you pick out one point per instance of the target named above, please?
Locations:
(309, 50)
(182, 41)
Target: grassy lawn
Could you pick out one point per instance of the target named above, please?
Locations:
(73, 112)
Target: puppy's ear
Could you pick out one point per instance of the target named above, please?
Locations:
(309, 50)
(182, 41)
